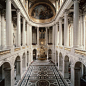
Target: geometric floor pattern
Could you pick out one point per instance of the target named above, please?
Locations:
(42, 73)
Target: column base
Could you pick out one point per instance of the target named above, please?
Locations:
(9, 46)
(78, 46)
(3, 47)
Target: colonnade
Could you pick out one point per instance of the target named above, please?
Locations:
(21, 35)
(64, 36)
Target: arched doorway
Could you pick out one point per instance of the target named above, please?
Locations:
(27, 58)
(60, 62)
(49, 54)
(67, 71)
(57, 58)
(17, 69)
(23, 63)
(34, 54)
(80, 74)
(5, 74)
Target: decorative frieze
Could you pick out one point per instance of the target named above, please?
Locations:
(57, 46)
(61, 47)
(23, 47)
(16, 49)
(68, 49)
(81, 52)
(4, 52)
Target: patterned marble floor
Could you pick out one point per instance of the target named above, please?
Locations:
(42, 73)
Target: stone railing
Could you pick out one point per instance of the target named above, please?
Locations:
(16, 49)
(68, 49)
(81, 52)
(4, 52)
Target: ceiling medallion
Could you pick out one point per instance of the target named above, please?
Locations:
(42, 13)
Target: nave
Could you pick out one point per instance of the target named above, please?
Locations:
(42, 73)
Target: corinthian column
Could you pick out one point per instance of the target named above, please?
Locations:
(18, 29)
(60, 32)
(24, 32)
(66, 33)
(76, 35)
(9, 29)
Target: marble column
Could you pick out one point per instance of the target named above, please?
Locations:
(76, 35)
(37, 35)
(0, 30)
(60, 32)
(9, 29)
(66, 31)
(30, 35)
(27, 34)
(18, 29)
(82, 30)
(23, 32)
(7, 76)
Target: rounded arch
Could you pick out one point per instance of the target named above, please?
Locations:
(80, 74)
(17, 68)
(5, 74)
(66, 58)
(6, 62)
(49, 54)
(67, 69)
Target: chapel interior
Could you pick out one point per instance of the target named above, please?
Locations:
(42, 42)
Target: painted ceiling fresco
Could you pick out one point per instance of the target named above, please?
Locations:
(42, 11)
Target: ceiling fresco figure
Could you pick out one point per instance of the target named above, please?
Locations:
(42, 12)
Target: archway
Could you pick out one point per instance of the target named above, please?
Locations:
(5, 74)
(57, 58)
(67, 71)
(49, 54)
(27, 58)
(23, 63)
(17, 69)
(80, 74)
(34, 54)
(60, 62)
